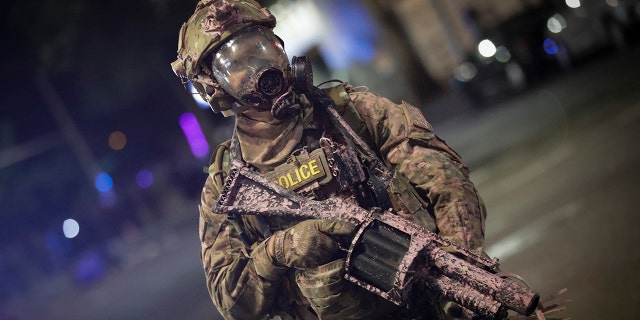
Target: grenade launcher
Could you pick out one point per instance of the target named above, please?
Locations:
(388, 255)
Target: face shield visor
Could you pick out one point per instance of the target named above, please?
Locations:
(251, 67)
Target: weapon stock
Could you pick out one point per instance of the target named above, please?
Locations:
(388, 255)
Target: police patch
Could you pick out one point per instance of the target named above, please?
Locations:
(301, 170)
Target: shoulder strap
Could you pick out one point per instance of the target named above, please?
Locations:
(346, 128)
(344, 105)
(347, 110)
(402, 194)
(219, 163)
(221, 157)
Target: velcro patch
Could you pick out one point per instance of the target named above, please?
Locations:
(415, 117)
(301, 170)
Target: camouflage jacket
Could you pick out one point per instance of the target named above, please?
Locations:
(243, 284)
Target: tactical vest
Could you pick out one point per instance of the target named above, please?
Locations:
(333, 168)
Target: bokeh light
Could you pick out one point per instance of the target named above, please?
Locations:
(573, 3)
(486, 48)
(550, 46)
(70, 228)
(556, 23)
(144, 178)
(90, 267)
(502, 54)
(103, 182)
(465, 72)
(193, 133)
(117, 140)
(197, 97)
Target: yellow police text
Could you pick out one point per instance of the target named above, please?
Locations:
(306, 172)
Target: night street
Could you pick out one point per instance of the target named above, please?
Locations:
(557, 168)
(562, 213)
(561, 206)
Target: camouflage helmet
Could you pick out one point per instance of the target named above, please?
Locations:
(213, 22)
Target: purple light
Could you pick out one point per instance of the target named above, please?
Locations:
(144, 178)
(90, 267)
(194, 135)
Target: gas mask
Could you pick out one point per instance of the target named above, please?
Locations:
(253, 67)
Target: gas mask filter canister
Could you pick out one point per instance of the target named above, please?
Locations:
(252, 67)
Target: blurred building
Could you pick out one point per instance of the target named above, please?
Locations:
(403, 49)
(443, 32)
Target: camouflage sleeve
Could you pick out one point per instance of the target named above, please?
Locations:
(408, 143)
(242, 284)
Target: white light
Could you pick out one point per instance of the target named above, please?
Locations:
(296, 16)
(556, 23)
(197, 97)
(486, 48)
(573, 3)
(70, 228)
(612, 3)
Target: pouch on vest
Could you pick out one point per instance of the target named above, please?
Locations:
(407, 202)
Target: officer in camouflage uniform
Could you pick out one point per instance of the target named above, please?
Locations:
(288, 268)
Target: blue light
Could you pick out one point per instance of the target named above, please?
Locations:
(355, 46)
(550, 46)
(144, 178)
(103, 182)
(90, 267)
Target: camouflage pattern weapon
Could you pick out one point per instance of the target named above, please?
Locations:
(388, 255)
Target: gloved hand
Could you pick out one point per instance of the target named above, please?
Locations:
(307, 244)
(331, 296)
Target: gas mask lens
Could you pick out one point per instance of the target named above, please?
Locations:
(250, 66)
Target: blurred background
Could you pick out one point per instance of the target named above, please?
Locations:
(102, 149)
